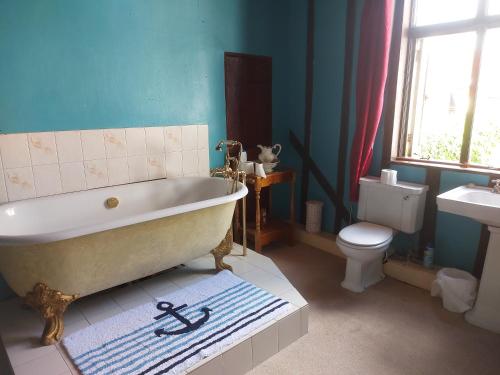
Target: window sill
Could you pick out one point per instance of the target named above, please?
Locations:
(445, 166)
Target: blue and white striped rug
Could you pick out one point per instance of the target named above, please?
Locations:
(172, 334)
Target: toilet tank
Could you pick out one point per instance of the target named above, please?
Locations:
(399, 206)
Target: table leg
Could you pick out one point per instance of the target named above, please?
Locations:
(291, 235)
(258, 246)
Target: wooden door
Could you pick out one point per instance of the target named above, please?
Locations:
(248, 84)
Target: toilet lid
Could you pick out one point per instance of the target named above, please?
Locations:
(365, 234)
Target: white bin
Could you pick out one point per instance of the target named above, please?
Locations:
(313, 216)
(458, 289)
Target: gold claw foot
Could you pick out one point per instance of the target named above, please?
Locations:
(52, 304)
(223, 249)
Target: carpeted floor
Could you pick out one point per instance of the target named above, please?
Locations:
(392, 328)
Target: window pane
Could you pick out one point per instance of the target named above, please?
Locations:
(493, 7)
(429, 12)
(485, 146)
(439, 96)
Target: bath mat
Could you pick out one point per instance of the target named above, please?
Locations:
(170, 335)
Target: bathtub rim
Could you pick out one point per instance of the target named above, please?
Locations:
(47, 237)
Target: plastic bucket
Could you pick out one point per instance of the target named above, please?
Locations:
(457, 288)
(313, 216)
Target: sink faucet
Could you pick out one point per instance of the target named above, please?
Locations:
(496, 187)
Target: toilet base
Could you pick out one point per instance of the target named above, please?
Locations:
(361, 275)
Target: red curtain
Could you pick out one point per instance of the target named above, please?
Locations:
(373, 60)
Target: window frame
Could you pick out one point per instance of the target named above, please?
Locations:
(402, 67)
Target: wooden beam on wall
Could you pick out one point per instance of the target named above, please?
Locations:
(428, 233)
(346, 107)
(392, 82)
(482, 247)
(308, 105)
(319, 176)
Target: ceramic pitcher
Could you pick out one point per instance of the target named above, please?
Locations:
(266, 153)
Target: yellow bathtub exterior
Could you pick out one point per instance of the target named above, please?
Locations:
(91, 263)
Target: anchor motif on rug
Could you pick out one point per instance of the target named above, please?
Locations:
(171, 310)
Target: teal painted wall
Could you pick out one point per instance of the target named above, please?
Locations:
(123, 63)
(456, 237)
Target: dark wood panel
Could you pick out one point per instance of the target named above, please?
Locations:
(428, 233)
(346, 101)
(248, 89)
(482, 247)
(392, 83)
(337, 202)
(308, 106)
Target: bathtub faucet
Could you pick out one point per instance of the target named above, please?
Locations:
(230, 162)
(230, 170)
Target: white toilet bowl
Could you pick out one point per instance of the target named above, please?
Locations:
(364, 245)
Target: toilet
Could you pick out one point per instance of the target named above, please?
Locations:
(382, 211)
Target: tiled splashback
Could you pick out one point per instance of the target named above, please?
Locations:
(40, 164)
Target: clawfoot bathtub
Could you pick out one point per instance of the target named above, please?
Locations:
(56, 249)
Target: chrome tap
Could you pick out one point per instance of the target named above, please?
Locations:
(496, 187)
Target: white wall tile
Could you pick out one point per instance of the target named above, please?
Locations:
(118, 171)
(202, 137)
(173, 164)
(14, 150)
(47, 180)
(93, 144)
(173, 138)
(155, 141)
(96, 173)
(69, 146)
(42, 148)
(137, 168)
(136, 141)
(189, 137)
(189, 162)
(86, 159)
(156, 166)
(203, 163)
(73, 177)
(20, 184)
(3, 189)
(115, 143)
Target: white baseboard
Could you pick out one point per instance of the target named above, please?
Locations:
(406, 272)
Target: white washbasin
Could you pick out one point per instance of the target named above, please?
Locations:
(481, 204)
(476, 202)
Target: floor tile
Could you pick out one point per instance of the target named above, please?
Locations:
(158, 286)
(212, 367)
(50, 364)
(238, 359)
(304, 320)
(289, 329)
(268, 281)
(264, 344)
(98, 307)
(130, 296)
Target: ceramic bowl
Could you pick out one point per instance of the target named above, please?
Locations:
(269, 167)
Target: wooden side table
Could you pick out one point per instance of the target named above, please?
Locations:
(274, 229)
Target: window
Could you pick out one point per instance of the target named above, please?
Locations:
(451, 99)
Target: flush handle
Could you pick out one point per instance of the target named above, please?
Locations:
(406, 197)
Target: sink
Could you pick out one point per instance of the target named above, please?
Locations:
(476, 202)
(481, 204)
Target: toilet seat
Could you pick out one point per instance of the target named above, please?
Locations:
(365, 235)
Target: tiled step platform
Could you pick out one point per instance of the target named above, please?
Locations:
(20, 328)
